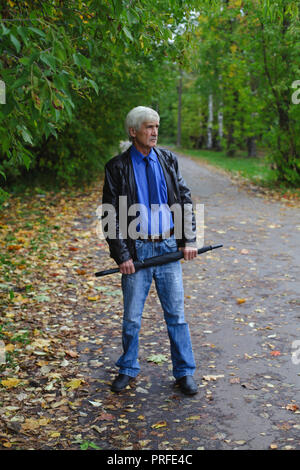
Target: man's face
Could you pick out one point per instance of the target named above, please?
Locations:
(147, 134)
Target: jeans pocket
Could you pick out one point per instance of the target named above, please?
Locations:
(138, 244)
(171, 243)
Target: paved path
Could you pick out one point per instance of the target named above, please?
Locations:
(259, 263)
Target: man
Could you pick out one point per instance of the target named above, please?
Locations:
(149, 176)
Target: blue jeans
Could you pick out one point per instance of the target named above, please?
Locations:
(168, 282)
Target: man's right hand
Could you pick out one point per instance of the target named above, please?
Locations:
(127, 267)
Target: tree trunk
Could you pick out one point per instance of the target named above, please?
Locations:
(179, 110)
(210, 122)
(251, 145)
(220, 127)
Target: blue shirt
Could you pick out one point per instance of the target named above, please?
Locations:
(162, 219)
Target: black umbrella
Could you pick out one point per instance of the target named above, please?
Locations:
(158, 260)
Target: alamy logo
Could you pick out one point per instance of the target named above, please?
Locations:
(2, 92)
(296, 354)
(296, 94)
(136, 219)
(2, 353)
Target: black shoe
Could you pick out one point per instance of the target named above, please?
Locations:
(187, 385)
(120, 382)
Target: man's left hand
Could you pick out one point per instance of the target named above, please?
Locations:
(189, 252)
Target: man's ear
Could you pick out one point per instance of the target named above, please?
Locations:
(132, 131)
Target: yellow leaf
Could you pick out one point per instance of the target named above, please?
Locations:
(97, 297)
(42, 363)
(144, 442)
(9, 383)
(55, 434)
(9, 347)
(141, 417)
(192, 418)
(7, 444)
(212, 377)
(74, 383)
(41, 343)
(32, 424)
(158, 425)
(240, 301)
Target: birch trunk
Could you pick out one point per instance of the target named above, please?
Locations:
(210, 122)
(220, 126)
(179, 110)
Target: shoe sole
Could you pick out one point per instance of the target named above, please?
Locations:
(120, 389)
(186, 392)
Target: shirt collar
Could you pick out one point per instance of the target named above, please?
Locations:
(139, 157)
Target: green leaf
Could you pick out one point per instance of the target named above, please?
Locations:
(37, 31)
(15, 42)
(157, 358)
(25, 134)
(48, 60)
(84, 445)
(93, 83)
(127, 33)
(26, 160)
(94, 446)
(5, 30)
(29, 60)
(133, 17)
(42, 298)
(82, 61)
(20, 82)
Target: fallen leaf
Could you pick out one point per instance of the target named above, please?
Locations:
(235, 380)
(156, 358)
(275, 353)
(10, 383)
(144, 442)
(158, 425)
(74, 383)
(14, 247)
(249, 386)
(212, 377)
(292, 407)
(105, 417)
(80, 271)
(72, 353)
(240, 301)
(32, 424)
(95, 403)
(7, 444)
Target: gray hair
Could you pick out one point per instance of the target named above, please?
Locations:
(137, 116)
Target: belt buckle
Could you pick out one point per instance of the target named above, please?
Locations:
(154, 238)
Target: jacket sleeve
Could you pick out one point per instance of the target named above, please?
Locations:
(188, 215)
(110, 217)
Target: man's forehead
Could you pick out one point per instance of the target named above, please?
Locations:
(151, 123)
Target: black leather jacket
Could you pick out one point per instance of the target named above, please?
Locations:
(120, 181)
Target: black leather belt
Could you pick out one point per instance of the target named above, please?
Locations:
(157, 238)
